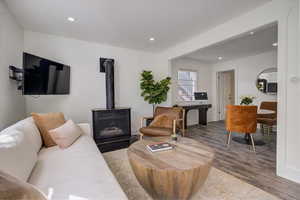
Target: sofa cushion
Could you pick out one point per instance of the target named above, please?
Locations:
(28, 127)
(46, 122)
(65, 135)
(17, 155)
(12, 188)
(79, 171)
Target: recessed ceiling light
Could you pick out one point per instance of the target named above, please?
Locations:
(220, 58)
(71, 19)
(275, 44)
(251, 33)
(152, 39)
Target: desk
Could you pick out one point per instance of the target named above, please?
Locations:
(202, 109)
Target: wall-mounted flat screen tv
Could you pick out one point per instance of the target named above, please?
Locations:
(44, 77)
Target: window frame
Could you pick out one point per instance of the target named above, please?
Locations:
(178, 97)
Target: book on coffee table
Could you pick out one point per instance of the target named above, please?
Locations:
(163, 146)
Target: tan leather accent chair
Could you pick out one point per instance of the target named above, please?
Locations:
(166, 121)
(241, 119)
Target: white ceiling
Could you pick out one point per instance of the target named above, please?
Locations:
(128, 23)
(241, 46)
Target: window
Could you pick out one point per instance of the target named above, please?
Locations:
(186, 85)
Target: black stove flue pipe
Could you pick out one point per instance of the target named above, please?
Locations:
(108, 65)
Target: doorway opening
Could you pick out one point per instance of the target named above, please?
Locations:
(226, 92)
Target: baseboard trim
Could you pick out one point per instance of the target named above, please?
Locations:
(290, 173)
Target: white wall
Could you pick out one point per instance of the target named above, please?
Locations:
(12, 103)
(246, 71)
(204, 71)
(87, 83)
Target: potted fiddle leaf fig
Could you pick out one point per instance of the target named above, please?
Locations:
(154, 92)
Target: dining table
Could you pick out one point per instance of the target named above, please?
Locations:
(265, 112)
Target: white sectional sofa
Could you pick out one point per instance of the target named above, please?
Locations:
(76, 173)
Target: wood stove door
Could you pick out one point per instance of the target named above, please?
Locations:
(111, 123)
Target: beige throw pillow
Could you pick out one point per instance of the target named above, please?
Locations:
(12, 188)
(65, 135)
(46, 122)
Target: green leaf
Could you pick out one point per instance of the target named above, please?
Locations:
(152, 91)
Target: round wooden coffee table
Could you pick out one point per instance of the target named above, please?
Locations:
(173, 174)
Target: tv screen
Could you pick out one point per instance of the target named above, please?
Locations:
(44, 77)
(272, 87)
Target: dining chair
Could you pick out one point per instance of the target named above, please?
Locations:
(267, 121)
(241, 119)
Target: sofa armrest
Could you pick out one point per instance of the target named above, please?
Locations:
(86, 128)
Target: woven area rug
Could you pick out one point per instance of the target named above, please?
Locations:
(219, 185)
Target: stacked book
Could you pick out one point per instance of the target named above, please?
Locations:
(163, 146)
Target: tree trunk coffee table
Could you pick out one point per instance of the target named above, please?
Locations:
(174, 174)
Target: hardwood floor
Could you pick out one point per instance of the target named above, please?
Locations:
(258, 169)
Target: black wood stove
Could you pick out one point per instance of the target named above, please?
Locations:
(111, 125)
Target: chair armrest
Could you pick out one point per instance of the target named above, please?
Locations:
(86, 128)
(175, 123)
(174, 126)
(143, 119)
(178, 120)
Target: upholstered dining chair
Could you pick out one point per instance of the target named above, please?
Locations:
(165, 122)
(241, 119)
(267, 121)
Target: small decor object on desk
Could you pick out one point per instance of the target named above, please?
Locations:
(159, 147)
(247, 100)
(154, 92)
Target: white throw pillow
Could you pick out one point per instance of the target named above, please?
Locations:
(17, 157)
(65, 135)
